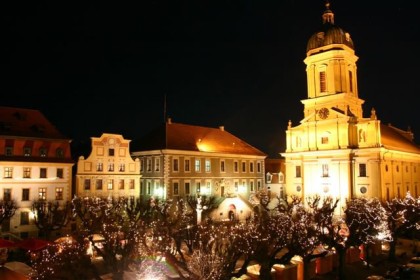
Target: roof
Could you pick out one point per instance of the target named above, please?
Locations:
(26, 123)
(184, 137)
(395, 139)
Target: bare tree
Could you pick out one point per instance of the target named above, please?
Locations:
(50, 216)
(7, 209)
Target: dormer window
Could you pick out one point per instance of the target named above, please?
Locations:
(42, 152)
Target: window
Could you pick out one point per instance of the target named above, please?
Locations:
(110, 166)
(235, 166)
(59, 153)
(222, 166)
(362, 169)
(259, 185)
(187, 164)
(8, 172)
(259, 167)
(59, 193)
(149, 188)
(157, 164)
(7, 194)
(187, 188)
(298, 171)
(198, 187)
(197, 165)
(175, 163)
(131, 184)
(208, 165)
(87, 184)
(60, 173)
(243, 166)
(43, 173)
(322, 81)
(325, 170)
(42, 194)
(42, 152)
(251, 167)
(149, 164)
(176, 188)
(324, 140)
(24, 218)
(26, 172)
(111, 152)
(251, 186)
(268, 177)
(27, 151)
(99, 184)
(142, 165)
(99, 166)
(121, 167)
(236, 186)
(25, 194)
(351, 81)
(121, 184)
(9, 151)
(110, 184)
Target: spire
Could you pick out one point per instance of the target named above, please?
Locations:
(328, 15)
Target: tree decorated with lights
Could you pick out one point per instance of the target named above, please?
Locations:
(367, 223)
(403, 216)
(118, 221)
(50, 216)
(65, 261)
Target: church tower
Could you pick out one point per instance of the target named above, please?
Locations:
(335, 151)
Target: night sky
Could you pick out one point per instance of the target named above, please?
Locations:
(109, 67)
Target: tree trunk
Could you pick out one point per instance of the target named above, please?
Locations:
(341, 262)
(265, 270)
(392, 249)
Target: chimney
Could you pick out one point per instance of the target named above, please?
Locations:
(169, 121)
(222, 128)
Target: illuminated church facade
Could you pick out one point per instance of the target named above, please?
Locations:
(334, 150)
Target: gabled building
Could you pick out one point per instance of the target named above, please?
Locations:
(109, 170)
(335, 150)
(179, 160)
(35, 164)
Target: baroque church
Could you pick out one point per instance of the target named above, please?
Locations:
(335, 150)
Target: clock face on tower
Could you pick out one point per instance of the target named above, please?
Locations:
(323, 113)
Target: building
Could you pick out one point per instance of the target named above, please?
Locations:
(335, 150)
(109, 170)
(180, 160)
(274, 176)
(35, 163)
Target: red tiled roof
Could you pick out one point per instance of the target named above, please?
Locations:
(396, 139)
(26, 123)
(176, 136)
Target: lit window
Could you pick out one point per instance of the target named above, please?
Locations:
(157, 164)
(59, 193)
(42, 152)
(197, 165)
(325, 170)
(27, 151)
(110, 166)
(26, 172)
(42, 194)
(110, 184)
(208, 165)
(8, 172)
(99, 166)
(121, 168)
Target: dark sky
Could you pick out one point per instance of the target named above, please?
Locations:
(107, 67)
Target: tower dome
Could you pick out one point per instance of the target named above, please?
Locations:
(330, 33)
